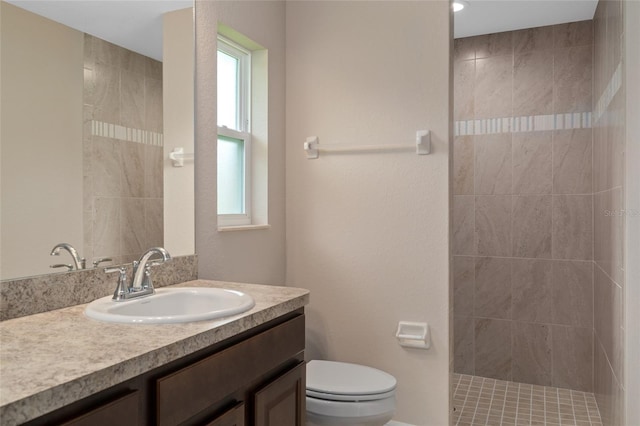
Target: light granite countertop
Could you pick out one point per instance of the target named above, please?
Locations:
(55, 358)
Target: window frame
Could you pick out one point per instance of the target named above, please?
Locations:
(243, 116)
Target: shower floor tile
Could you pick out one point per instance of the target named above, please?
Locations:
(490, 402)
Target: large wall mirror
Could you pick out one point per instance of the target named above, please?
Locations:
(95, 95)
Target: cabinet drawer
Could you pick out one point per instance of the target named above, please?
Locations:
(122, 412)
(192, 389)
(233, 417)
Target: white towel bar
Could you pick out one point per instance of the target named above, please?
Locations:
(422, 146)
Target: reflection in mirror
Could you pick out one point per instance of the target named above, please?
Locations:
(83, 141)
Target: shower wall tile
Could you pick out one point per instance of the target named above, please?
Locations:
(531, 226)
(572, 233)
(153, 171)
(573, 34)
(133, 62)
(154, 220)
(608, 233)
(533, 83)
(615, 136)
(492, 348)
(572, 293)
(88, 88)
(153, 105)
(133, 232)
(132, 99)
(572, 79)
(463, 84)
(532, 354)
(532, 290)
(607, 390)
(496, 44)
(572, 165)
(463, 168)
(105, 53)
(608, 187)
(492, 292)
(493, 164)
(153, 68)
(464, 225)
(493, 87)
(133, 170)
(106, 227)
(464, 49)
(463, 331)
(532, 39)
(608, 319)
(493, 225)
(464, 283)
(532, 163)
(107, 170)
(106, 99)
(572, 349)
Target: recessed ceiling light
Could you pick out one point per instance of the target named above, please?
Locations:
(458, 5)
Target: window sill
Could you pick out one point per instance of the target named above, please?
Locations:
(242, 228)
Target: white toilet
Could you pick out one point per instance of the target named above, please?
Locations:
(339, 393)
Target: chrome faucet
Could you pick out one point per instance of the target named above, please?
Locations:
(141, 284)
(78, 262)
(142, 268)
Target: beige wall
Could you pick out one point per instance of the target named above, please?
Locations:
(367, 233)
(41, 141)
(178, 99)
(250, 255)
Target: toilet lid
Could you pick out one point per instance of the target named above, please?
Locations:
(344, 381)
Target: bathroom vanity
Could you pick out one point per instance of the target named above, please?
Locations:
(60, 367)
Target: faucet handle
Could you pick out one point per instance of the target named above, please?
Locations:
(62, 265)
(122, 287)
(97, 262)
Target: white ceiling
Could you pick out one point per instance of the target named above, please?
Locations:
(494, 16)
(137, 24)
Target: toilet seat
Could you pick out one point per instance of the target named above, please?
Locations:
(341, 381)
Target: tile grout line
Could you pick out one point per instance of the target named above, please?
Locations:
(464, 404)
(493, 389)
(559, 410)
(586, 404)
(573, 407)
(504, 403)
(517, 403)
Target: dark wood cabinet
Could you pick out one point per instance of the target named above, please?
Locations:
(233, 417)
(256, 378)
(122, 411)
(282, 402)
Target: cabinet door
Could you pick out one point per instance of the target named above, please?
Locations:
(233, 417)
(122, 412)
(282, 402)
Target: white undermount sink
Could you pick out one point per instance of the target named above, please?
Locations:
(172, 305)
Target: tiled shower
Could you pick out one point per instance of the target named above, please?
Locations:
(539, 134)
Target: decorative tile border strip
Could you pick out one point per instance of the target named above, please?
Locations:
(609, 93)
(115, 131)
(530, 123)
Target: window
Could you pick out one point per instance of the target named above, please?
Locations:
(234, 134)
